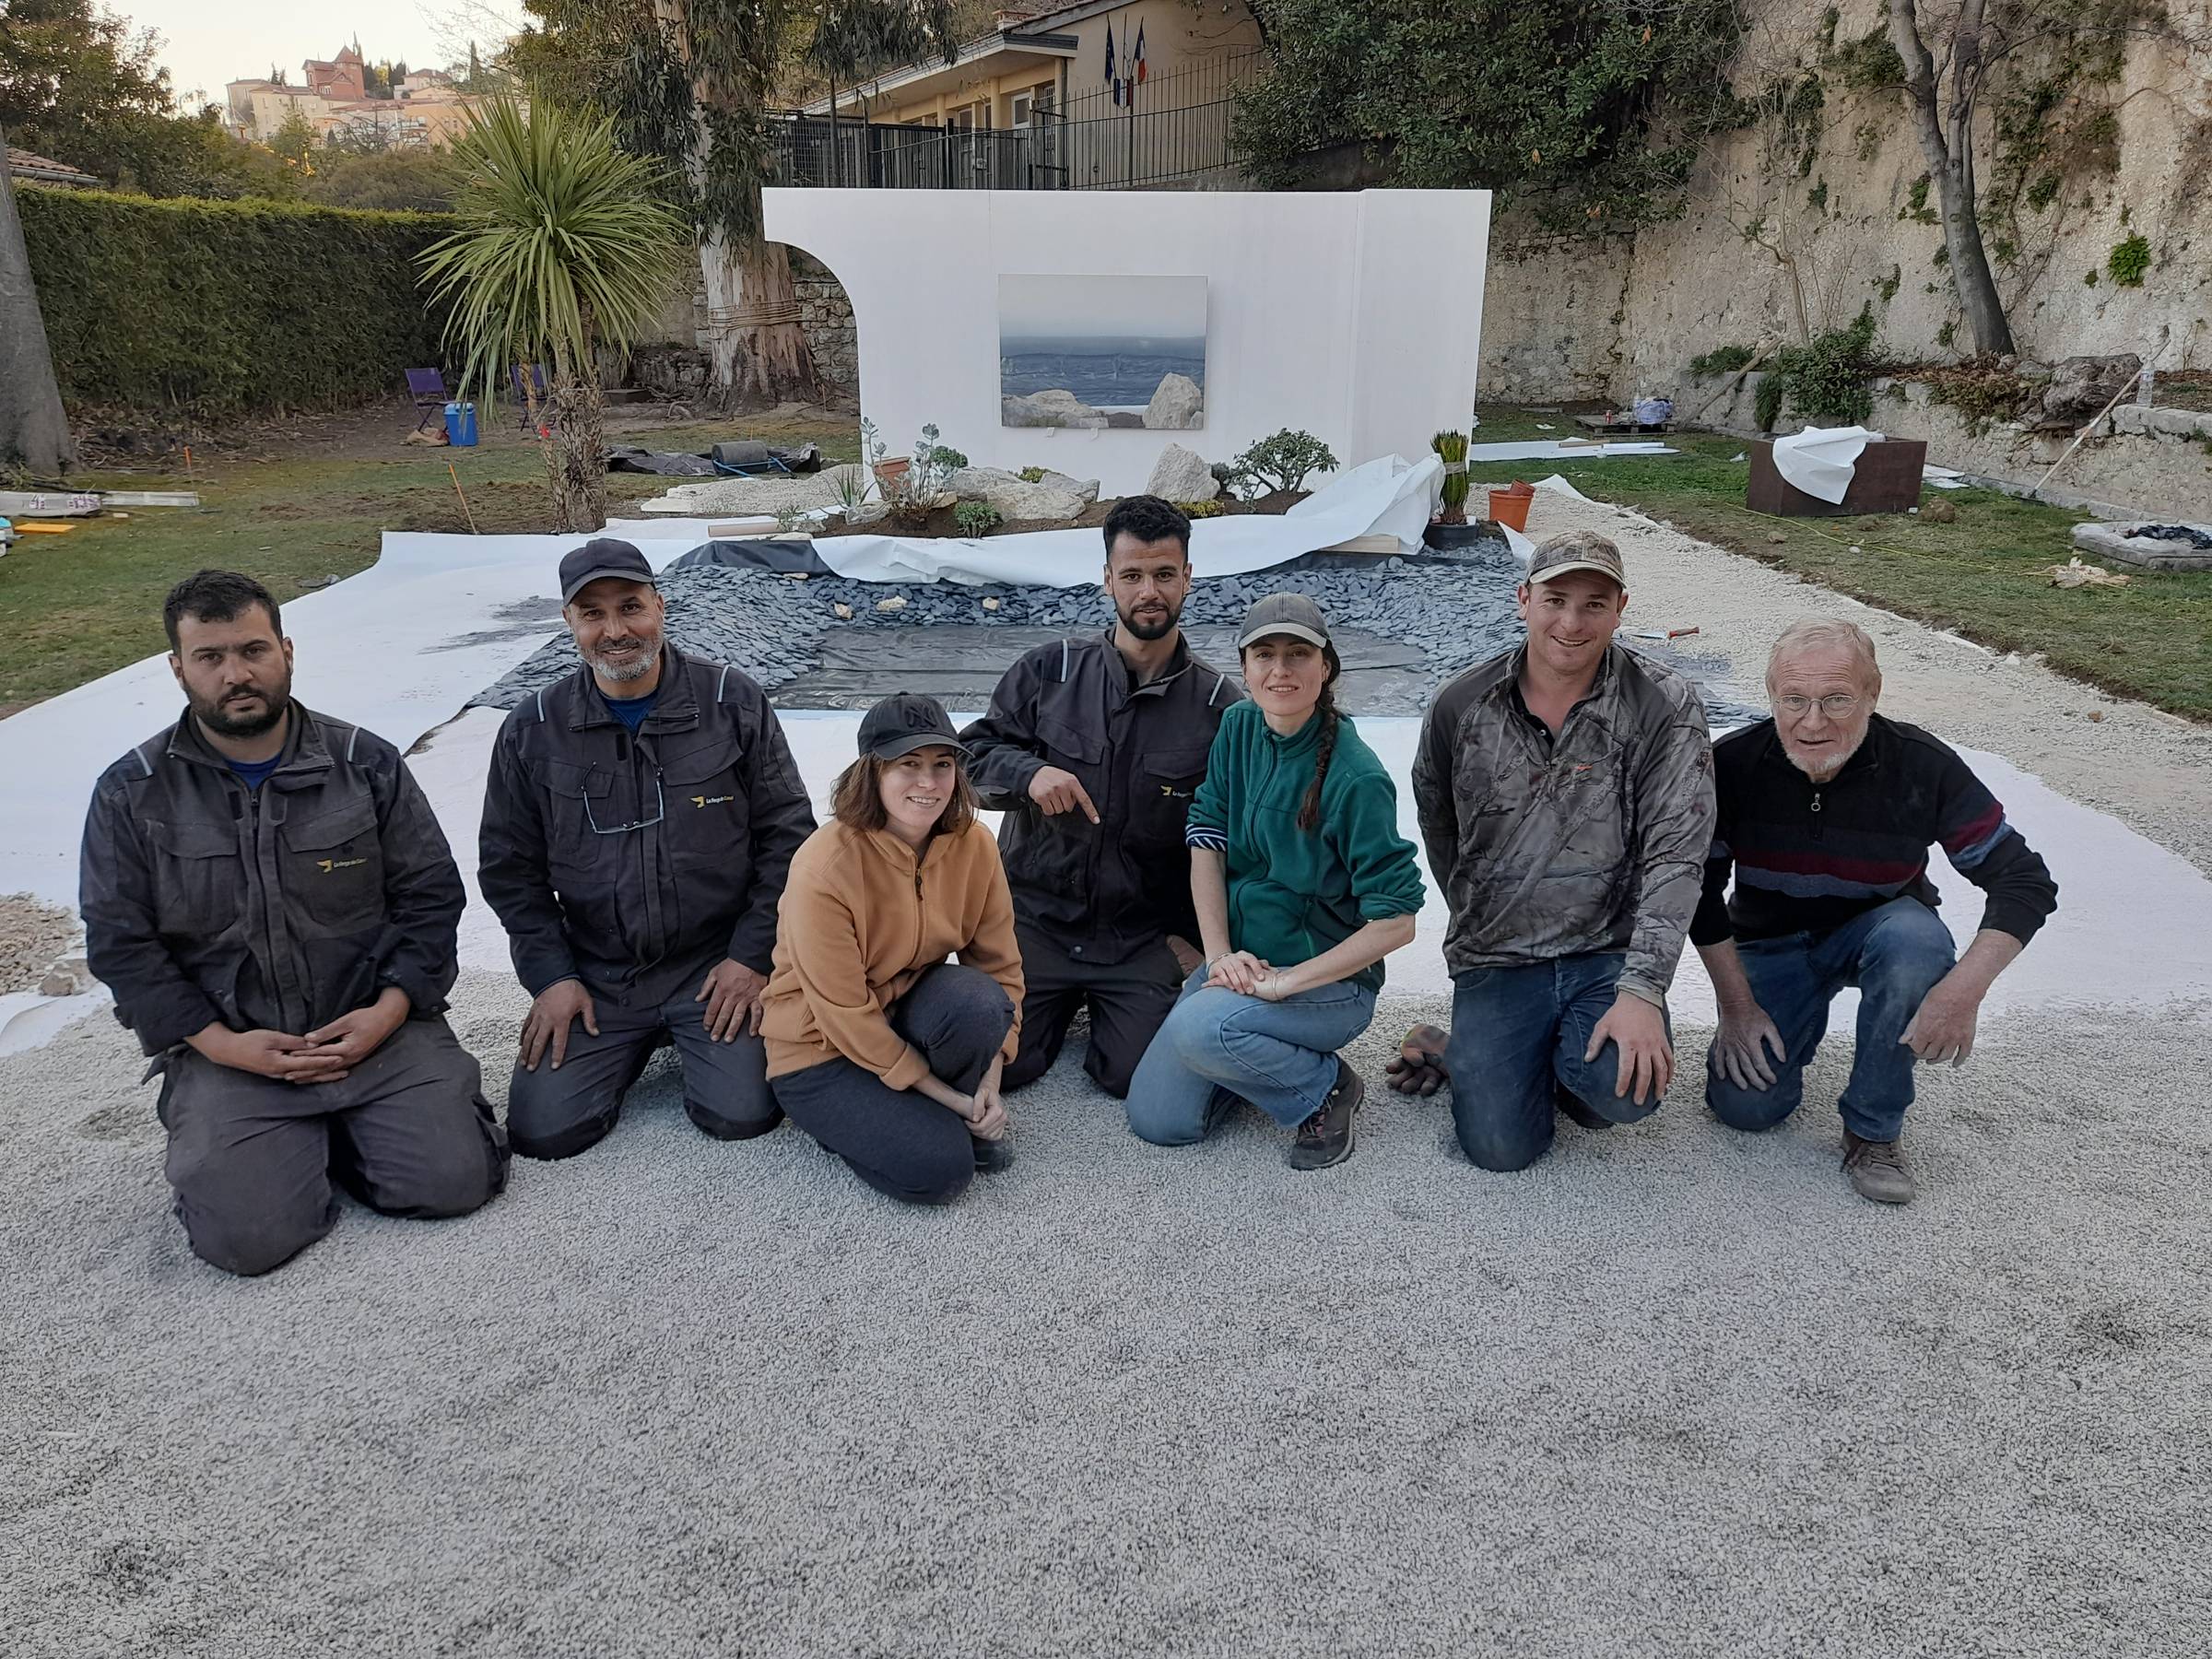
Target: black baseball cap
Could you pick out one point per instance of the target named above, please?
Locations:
(901, 723)
(604, 555)
(1290, 614)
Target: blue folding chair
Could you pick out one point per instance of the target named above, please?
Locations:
(427, 386)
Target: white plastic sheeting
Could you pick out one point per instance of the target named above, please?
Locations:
(1820, 460)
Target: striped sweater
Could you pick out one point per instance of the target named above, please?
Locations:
(1809, 857)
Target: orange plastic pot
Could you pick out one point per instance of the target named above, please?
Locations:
(1509, 507)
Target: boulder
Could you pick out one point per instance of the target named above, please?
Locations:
(1179, 476)
(1052, 497)
(2081, 386)
(1053, 409)
(1177, 405)
(1124, 420)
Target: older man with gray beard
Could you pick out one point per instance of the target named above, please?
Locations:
(639, 822)
(1826, 813)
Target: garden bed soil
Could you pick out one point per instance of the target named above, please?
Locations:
(940, 525)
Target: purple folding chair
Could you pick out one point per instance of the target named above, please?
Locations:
(526, 390)
(427, 386)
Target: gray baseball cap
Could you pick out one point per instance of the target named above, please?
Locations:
(1575, 550)
(603, 556)
(1292, 613)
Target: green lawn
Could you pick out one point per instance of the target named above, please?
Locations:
(1983, 575)
(75, 606)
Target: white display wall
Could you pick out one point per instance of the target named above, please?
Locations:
(1357, 317)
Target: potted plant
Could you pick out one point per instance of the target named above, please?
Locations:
(887, 469)
(1450, 531)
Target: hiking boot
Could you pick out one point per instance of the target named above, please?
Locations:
(1877, 1170)
(1568, 1101)
(1326, 1137)
(991, 1156)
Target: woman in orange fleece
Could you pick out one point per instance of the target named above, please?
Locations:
(879, 1047)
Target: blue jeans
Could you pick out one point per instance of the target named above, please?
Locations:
(1894, 954)
(1281, 1056)
(1517, 1034)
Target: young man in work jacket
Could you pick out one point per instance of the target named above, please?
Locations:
(639, 821)
(1093, 748)
(269, 896)
(1565, 792)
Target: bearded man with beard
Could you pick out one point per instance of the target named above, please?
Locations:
(1826, 813)
(269, 896)
(640, 817)
(1093, 749)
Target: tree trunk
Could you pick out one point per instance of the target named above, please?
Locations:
(34, 431)
(579, 443)
(1947, 146)
(762, 356)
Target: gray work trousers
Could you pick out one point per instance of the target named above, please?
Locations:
(559, 1114)
(252, 1158)
(1128, 1003)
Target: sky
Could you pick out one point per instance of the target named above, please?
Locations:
(207, 42)
(1171, 308)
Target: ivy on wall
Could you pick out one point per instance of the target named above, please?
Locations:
(227, 307)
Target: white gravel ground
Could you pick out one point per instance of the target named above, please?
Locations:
(1672, 1391)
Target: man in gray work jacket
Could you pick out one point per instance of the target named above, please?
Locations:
(639, 821)
(265, 892)
(1092, 746)
(1565, 793)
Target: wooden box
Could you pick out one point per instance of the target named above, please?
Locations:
(1886, 480)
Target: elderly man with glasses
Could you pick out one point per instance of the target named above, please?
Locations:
(1826, 813)
(639, 822)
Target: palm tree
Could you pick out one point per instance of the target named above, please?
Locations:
(567, 243)
(34, 432)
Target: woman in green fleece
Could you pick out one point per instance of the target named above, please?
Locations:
(1302, 884)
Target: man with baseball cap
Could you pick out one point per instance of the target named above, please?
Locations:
(639, 821)
(1093, 748)
(1565, 792)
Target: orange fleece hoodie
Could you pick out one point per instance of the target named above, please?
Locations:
(861, 919)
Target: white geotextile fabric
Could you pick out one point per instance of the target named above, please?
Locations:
(1820, 460)
(1387, 495)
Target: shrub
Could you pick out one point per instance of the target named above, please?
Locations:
(227, 307)
(949, 460)
(1285, 460)
(1451, 450)
(1720, 360)
(2129, 260)
(972, 518)
(1198, 510)
(1032, 474)
(1828, 379)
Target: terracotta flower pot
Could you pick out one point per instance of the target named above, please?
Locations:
(1509, 507)
(888, 473)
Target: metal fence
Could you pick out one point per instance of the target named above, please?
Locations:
(1174, 131)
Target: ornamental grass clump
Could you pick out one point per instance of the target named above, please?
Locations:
(1452, 449)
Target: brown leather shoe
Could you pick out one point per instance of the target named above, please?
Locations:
(1877, 1170)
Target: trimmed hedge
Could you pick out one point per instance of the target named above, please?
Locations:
(228, 307)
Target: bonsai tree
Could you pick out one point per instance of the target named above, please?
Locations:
(566, 244)
(1451, 448)
(1286, 459)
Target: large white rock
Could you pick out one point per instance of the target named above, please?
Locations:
(1181, 476)
(1177, 404)
(1053, 497)
(1053, 409)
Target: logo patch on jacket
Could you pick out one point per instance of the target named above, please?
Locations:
(1170, 791)
(712, 800)
(327, 865)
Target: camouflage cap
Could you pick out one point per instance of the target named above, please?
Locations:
(1575, 550)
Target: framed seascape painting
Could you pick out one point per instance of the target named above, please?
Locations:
(1095, 352)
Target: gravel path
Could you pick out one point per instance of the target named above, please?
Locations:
(2150, 770)
(31, 936)
(1673, 1391)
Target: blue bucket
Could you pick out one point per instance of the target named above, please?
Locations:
(461, 425)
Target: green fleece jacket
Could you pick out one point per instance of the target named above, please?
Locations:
(1294, 893)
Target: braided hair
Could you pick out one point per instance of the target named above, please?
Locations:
(1308, 810)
